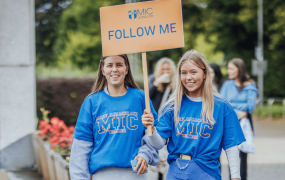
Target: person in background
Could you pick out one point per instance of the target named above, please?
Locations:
(161, 84)
(196, 123)
(109, 132)
(241, 92)
(217, 77)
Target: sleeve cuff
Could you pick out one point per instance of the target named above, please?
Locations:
(156, 140)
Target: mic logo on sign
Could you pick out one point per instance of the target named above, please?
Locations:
(133, 13)
(141, 13)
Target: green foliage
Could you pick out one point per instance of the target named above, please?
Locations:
(79, 36)
(235, 25)
(47, 17)
(220, 29)
(68, 71)
(265, 111)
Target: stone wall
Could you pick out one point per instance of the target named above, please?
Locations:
(17, 83)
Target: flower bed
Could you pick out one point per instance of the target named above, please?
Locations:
(52, 146)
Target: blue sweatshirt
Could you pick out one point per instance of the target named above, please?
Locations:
(240, 101)
(197, 137)
(114, 126)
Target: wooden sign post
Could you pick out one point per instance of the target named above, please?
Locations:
(146, 89)
(142, 27)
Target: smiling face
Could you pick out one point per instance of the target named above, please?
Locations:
(115, 70)
(192, 78)
(232, 71)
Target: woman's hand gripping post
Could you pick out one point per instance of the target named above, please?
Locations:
(147, 119)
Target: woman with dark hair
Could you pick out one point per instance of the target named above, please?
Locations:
(109, 132)
(217, 77)
(241, 92)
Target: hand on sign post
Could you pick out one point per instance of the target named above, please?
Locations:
(148, 120)
(141, 165)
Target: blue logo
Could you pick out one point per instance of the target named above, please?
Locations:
(133, 13)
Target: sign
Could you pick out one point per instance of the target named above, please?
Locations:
(258, 66)
(141, 27)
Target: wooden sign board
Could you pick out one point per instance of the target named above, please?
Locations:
(141, 27)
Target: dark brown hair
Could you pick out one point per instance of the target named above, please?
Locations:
(101, 81)
(242, 71)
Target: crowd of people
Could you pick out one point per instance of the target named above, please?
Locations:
(195, 114)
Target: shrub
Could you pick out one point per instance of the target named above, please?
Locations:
(63, 96)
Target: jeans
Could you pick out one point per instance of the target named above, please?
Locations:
(192, 172)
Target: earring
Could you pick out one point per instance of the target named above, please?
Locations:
(204, 79)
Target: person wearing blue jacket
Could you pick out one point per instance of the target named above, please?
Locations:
(109, 132)
(196, 123)
(241, 92)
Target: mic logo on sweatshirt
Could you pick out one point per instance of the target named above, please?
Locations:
(117, 122)
(193, 127)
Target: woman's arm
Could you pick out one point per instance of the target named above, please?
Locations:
(233, 159)
(148, 152)
(249, 103)
(79, 159)
(156, 140)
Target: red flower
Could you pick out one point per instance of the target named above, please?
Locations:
(54, 121)
(62, 144)
(61, 124)
(71, 129)
(59, 134)
(54, 140)
(44, 131)
(43, 123)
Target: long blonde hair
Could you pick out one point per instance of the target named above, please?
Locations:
(157, 72)
(174, 101)
(101, 81)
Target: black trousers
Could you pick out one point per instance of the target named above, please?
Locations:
(243, 165)
(160, 176)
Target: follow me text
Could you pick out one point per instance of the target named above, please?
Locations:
(141, 31)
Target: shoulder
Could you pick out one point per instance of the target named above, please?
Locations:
(167, 109)
(136, 93)
(94, 95)
(222, 104)
(228, 82)
(250, 85)
(93, 99)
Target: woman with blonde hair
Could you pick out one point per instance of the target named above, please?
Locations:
(109, 132)
(196, 123)
(161, 83)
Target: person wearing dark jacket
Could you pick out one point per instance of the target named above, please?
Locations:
(161, 84)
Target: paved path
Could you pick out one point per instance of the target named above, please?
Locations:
(269, 160)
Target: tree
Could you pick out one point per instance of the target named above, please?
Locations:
(46, 19)
(79, 36)
(235, 24)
